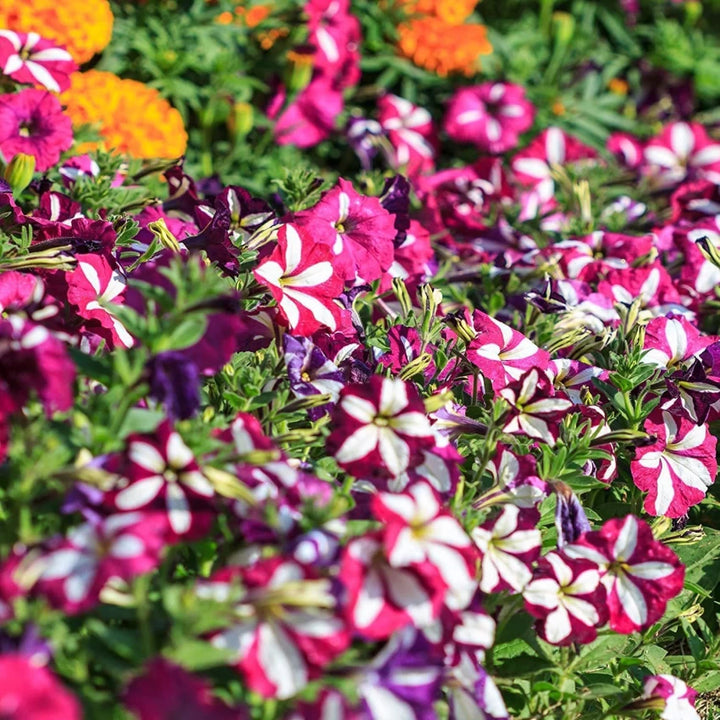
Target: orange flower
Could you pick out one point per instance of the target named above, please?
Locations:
(132, 118)
(444, 48)
(454, 12)
(84, 27)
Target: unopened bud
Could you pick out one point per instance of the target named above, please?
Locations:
(241, 119)
(19, 172)
(564, 25)
(461, 327)
(416, 366)
(299, 68)
(161, 231)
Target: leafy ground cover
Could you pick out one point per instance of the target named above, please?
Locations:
(359, 360)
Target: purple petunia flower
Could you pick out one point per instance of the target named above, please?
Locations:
(311, 373)
(175, 383)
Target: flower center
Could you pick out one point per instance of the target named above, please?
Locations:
(305, 377)
(382, 421)
(170, 475)
(24, 130)
(340, 227)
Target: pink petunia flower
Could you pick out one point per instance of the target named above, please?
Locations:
(382, 598)
(168, 692)
(411, 134)
(639, 573)
(359, 230)
(682, 151)
(678, 468)
(509, 544)
(300, 274)
(93, 283)
(120, 546)
(490, 116)
(310, 117)
(567, 598)
(677, 697)
(32, 122)
(419, 532)
(380, 428)
(164, 475)
(284, 624)
(501, 353)
(31, 59)
(533, 165)
(31, 692)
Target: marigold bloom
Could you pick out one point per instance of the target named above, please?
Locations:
(131, 117)
(84, 27)
(443, 48)
(454, 12)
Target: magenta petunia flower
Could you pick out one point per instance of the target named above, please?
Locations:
(32, 122)
(29, 692)
(31, 59)
(490, 116)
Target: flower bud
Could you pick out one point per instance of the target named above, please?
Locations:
(241, 120)
(19, 172)
(299, 68)
(161, 231)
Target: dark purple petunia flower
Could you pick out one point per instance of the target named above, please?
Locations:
(570, 519)
(364, 137)
(311, 373)
(175, 383)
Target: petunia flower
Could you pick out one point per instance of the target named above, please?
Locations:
(676, 698)
(639, 573)
(33, 122)
(31, 692)
(419, 532)
(568, 599)
(284, 626)
(668, 341)
(472, 693)
(682, 151)
(403, 680)
(678, 468)
(490, 116)
(92, 284)
(411, 134)
(311, 373)
(121, 546)
(501, 353)
(166, 691)
(534, 410)
(509, 544)
(164, 474)
(301, 277)
(31, 59)
(359, 230)
(533, 166)
(380, 428)
(381, 598)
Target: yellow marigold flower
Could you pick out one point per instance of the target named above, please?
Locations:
(84, 27)
(443, 48)
(132, 118)
(454, 12)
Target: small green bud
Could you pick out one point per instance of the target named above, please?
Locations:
(299, 68)
(19, 172)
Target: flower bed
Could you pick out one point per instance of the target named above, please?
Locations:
(359, 360)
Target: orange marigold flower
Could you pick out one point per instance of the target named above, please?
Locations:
(84, 27)
(454, 12)
(132, 118)
(443, 48)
